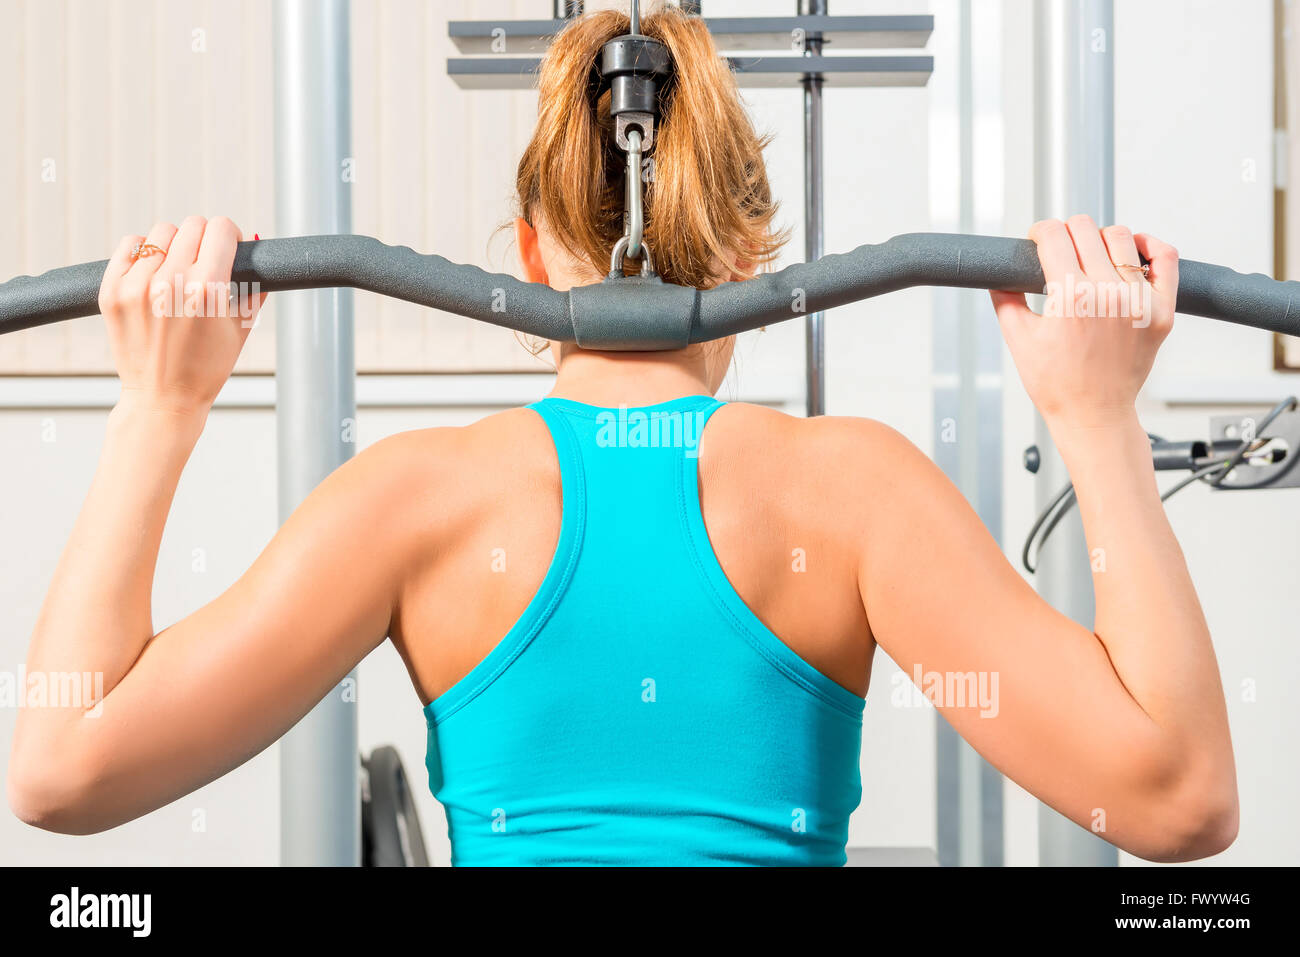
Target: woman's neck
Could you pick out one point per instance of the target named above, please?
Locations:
(630, 378)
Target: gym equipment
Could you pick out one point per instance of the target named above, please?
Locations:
(636, 70)
(315, 383)
(644, 312)
(1243, 452)
(390, 827)
(806, 35)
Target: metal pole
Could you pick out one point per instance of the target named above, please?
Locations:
(567, 9)
(1074, 128)
(966, 390)
(320, 794)
(814, 330)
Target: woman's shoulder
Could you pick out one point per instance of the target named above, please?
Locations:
(494, 435)
(832, 466)
(764, 432)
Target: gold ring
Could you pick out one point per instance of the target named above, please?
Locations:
(146, 249)
(1144, 267)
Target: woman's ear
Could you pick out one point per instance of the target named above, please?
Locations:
(530, 251)
(736, 268)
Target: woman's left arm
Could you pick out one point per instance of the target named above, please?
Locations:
(184, 706)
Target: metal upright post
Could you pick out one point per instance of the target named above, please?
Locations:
(320, 795)
(966, 392)
(814, 330)
(567, 9)
(1075, 173)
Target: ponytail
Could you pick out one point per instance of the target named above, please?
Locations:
(708, 205)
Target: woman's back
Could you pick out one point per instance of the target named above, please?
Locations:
(641, 706)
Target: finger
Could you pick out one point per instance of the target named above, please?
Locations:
(1092, 250)
(185, 247)
(1012, 310)
(148, 263)
(1055, 250)
(122, 258)
(217, 251)
(110, 295)
(1163, 258)
(1124, 254)
(1120, 246)
(216, 259)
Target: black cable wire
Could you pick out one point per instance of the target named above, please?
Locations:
(1212, 474)
(1065, 499)
(1267, 480)
(1199, 475)
(1234, 460)
(1055, 511)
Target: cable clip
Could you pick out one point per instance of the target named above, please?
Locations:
(634, 66)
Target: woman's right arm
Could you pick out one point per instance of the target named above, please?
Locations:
(1124, 728)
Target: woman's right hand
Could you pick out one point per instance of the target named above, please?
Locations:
(1084, 360)
(173, 329)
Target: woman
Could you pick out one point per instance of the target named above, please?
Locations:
(690, 592)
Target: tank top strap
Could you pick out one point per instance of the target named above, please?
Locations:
(630, 459)
(619, 442)
(566, 442)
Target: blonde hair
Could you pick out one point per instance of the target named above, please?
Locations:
(708, 202)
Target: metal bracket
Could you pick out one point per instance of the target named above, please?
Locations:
(645, 122)
(1273, 464)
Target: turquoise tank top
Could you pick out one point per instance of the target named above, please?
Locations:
(638, 713)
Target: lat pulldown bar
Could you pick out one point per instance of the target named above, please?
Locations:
(644, 313)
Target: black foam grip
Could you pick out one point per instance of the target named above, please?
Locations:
(650, 316)
(973, 262)
(319, 262)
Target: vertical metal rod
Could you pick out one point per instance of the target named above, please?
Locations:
(1074, 129)
(567, 9)
(966, 353)
(815, 327)
(969, 763)
(315, 408)
(634, 13)
(632, 195)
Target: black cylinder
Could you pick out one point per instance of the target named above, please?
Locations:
(1176, 456)
(632, 66)
(632, 94)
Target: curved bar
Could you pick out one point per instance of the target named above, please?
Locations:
(319, 262)
(618, 314)
(972, 262)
